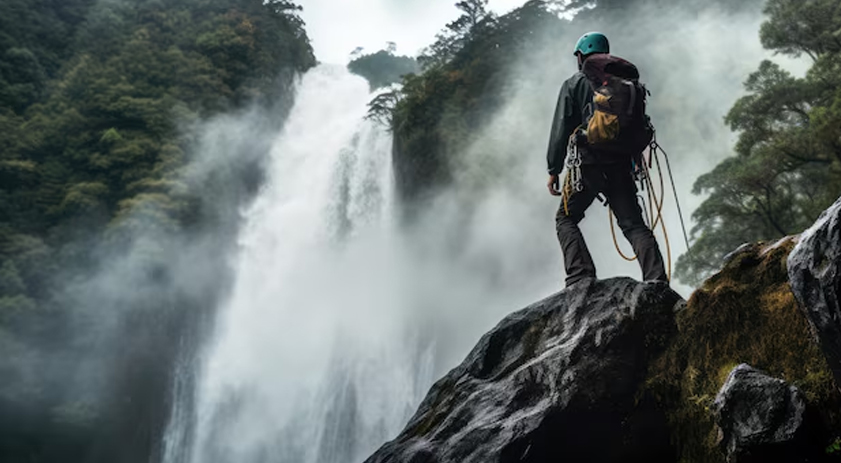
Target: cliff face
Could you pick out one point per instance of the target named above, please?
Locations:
(618, 370)
(556, 379)
(814, 269)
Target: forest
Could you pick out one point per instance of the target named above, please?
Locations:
(785, 167)
(96, 104)
(99, 101)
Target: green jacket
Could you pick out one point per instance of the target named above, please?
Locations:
(576, 95)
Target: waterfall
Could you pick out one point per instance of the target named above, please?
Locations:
(312, 359)
(341, 316)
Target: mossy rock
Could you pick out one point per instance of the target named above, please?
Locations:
(744, 314)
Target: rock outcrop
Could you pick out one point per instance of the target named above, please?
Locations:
(814, 269)
(761, 419)
(746, 313)
(618, 370)
(558, 380)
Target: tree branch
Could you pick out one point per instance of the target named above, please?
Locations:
(808, 160)
(769, 213)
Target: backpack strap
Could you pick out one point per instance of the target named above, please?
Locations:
(633, 100)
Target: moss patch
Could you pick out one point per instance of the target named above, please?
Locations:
(744, 314)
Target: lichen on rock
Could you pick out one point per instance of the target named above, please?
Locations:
(746, 313)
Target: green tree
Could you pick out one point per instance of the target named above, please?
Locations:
(94, 101)
(383, 68)
(787, 167)
(438, 113)
(457, 34)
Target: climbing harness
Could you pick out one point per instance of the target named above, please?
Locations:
(643, 172)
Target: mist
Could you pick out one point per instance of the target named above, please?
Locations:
(694, 65)
(337, 28)
(310, 353)
(300, 320)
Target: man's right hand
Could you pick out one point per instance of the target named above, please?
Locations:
(554, 185)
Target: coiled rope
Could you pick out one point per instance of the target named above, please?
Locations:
(654, 211)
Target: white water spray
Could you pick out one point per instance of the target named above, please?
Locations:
(312, 360)
(341, 318)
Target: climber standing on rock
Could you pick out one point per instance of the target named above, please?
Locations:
(599, 133)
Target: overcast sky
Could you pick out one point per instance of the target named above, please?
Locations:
(337, 27)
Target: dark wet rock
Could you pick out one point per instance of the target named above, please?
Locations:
(814, 269)
(557, 381)
(762, 419)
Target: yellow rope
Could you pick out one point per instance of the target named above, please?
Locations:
(668, 249)
(659, 219)
(652, 196)
(567, 191)
(655, 220)
(615, 241)
(662, 190)
(651, 201)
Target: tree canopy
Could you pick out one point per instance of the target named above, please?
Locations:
(787, 163)
(94, 101)
(439, 111)
(383, 68)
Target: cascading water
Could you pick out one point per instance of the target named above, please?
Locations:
(312, 360)
(340, 317)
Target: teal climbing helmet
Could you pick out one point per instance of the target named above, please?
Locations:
(592, 42)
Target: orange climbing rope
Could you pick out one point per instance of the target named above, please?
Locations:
(654, 203)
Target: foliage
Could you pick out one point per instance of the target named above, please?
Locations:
(744, 314)
(383, 68)
(33, 45)
(589, 9)
(834, 447)
(94, 99)
(381, 108)
(466, 74)
(787, 167)
(439, 111)
(458, 34)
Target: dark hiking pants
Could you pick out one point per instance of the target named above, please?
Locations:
(616, 182)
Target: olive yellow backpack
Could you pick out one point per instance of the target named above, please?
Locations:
(617, 121)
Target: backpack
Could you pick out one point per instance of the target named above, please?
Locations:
(617, 122)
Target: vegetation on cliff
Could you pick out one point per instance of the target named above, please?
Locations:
(440, 112)
(96, 100)
(746, 313)
(787, 167)
(383, 68)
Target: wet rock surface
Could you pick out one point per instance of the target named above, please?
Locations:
(814, 269)
(557, 381)
(761, 419)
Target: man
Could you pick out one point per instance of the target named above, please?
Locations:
(602, 172)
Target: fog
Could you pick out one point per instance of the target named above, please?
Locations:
(337, 28)
(306, 325)
(340, 318)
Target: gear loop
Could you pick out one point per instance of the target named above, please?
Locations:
(573, 162)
